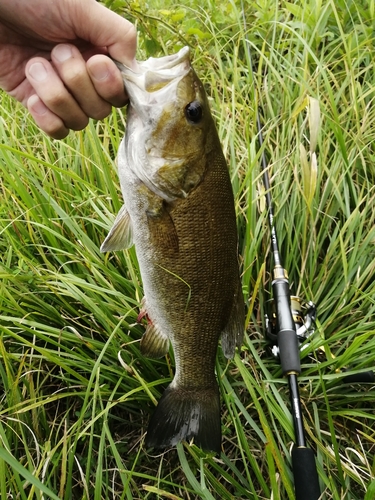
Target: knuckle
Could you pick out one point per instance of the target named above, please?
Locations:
(58, 134)
(132, 32)
(80, 123)
(56, 130)
(114, 95)
(101, 113)
(74, 76)
(56, 99)
(119, 101)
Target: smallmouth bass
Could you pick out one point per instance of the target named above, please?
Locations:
(179, 212)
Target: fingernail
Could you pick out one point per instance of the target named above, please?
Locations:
(36, 105)
(38, 71)
(99, 70)
(62, 52)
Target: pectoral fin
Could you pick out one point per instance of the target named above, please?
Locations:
(162, 229)
(233, 332)
(120, 236)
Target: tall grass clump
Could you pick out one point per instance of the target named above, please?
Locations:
(76, 393)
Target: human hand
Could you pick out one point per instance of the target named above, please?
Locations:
(53, 59)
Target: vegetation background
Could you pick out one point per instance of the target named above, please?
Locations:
(76, 394)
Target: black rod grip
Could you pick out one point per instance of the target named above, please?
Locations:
(286, 329)
(306, 482)
(289, 352)
(360, 378)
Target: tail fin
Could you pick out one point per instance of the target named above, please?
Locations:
(186, 414)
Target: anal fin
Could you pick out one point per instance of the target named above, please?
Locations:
(154, 344)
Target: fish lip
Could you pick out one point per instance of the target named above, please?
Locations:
(156, 63)
(152, 78)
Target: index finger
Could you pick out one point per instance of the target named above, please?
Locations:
(104, 28)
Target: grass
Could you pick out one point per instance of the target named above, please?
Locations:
(76, 393)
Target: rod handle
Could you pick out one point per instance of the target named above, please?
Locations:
(306, 482)
(289, 352)
(360, 378)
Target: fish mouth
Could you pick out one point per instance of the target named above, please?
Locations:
(154, 91)
(154, 77)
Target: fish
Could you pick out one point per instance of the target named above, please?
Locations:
(179, 212)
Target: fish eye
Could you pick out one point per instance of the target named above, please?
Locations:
(194, 112)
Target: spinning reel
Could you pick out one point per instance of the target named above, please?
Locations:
(304, 316)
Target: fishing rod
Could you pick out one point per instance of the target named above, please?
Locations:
(288, 326)
(306, 482)
(305, 474)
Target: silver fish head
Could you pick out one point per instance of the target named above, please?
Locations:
(169, 124)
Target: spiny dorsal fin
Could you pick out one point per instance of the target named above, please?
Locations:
(121, 235)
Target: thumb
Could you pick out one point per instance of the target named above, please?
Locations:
(104, 28)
